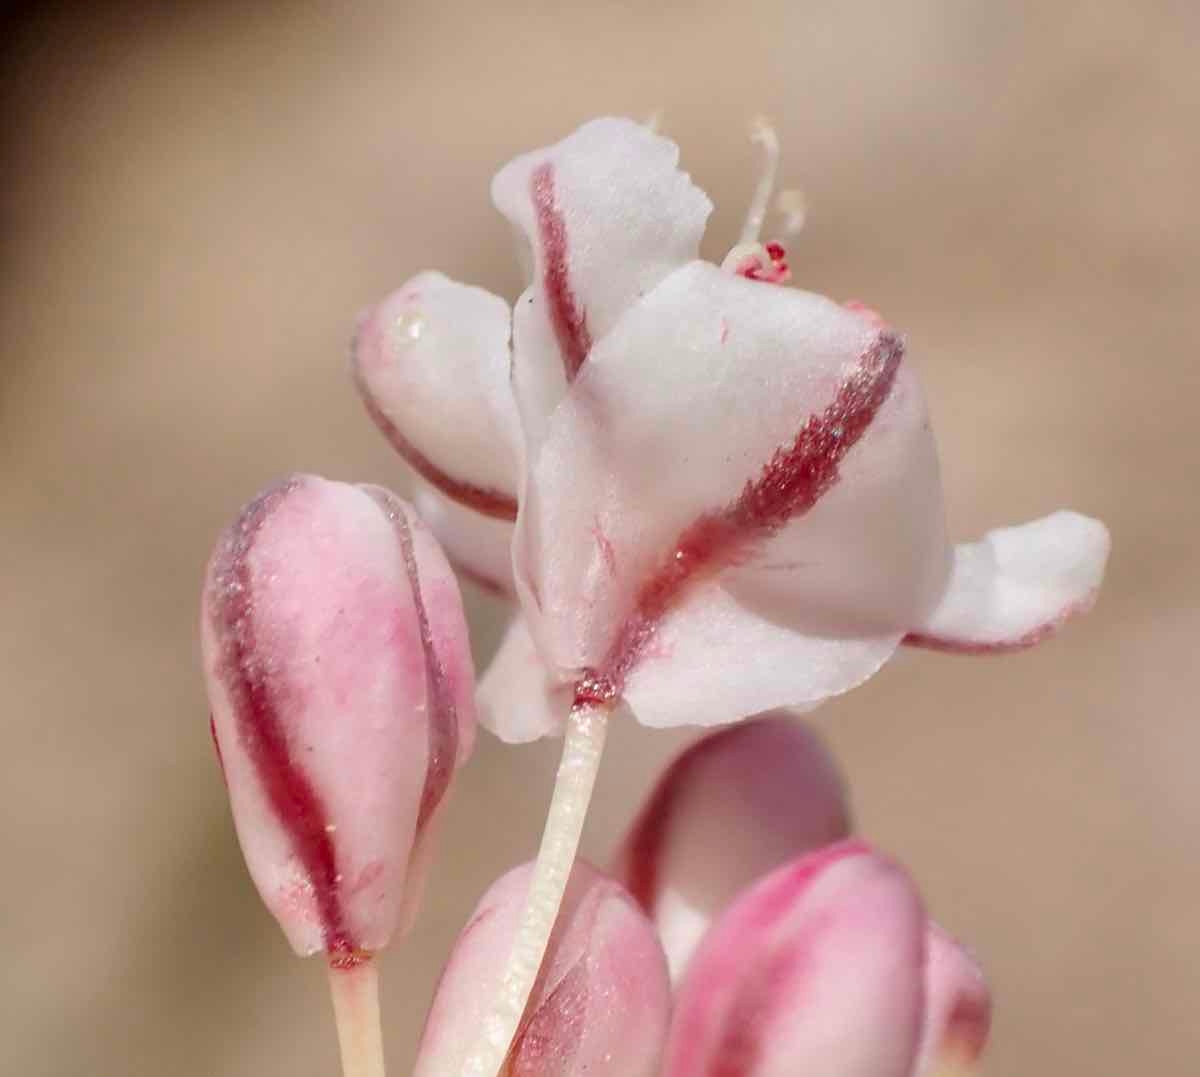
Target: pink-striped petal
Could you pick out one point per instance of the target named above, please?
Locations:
(606, 214)
(958, 1008)
(701, 441)
(341, 684)
(733, 807)
(1017, 586)
(601, 1003)
(431, 363)
(817, 970)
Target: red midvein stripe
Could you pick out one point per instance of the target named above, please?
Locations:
(440, 712)
(482, 499)
(791, 483)
(255, 704)
(567, 317)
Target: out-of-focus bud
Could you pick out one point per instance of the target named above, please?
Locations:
(601, 1002)
(817, 970)
(958, 1009)
(341, 683)
(731, 808)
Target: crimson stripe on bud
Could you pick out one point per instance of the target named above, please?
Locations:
(341, 687)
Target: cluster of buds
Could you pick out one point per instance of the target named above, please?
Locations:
(741, 931)
(709, 497)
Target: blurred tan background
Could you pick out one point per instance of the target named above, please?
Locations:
(197, 199)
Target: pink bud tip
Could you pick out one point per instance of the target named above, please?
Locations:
(816, 970)
(730, 809)
(601, 1002)
(341, 684)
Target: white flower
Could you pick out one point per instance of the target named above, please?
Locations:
(728, 489)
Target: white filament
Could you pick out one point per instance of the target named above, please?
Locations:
(583, 746)
(764, 134)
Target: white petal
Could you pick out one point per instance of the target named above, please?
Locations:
(1018, 585)
(518, 700)
(607, 214)
(432, 364)
(479, 547)
(714, 661)
(688, 415)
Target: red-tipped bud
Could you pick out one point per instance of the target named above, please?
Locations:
(601, 1002)
(817, 970)
(341, 684)
(731, 808)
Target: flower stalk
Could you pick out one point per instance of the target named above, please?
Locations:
(583, 746)
(354, 986)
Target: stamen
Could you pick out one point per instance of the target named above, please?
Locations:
(754, 261)
(764, 134)
(582, 748)
(751, 258)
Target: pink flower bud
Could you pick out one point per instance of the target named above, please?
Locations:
(601, 1002)
(730, 809)
(341, 685)
(817, 970)
(958, 1008)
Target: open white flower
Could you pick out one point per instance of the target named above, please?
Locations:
(712, 464)
(725, 491)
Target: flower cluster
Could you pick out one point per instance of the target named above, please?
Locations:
(710, 496)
